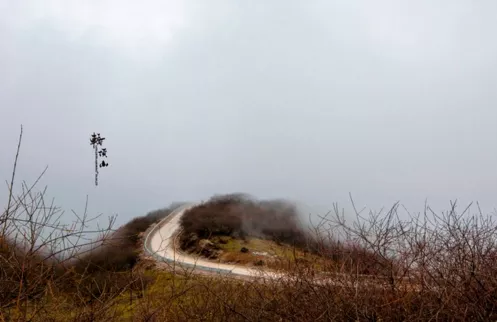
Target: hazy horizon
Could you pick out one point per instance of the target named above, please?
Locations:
(309, 101)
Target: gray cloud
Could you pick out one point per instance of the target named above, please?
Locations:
(390, 101)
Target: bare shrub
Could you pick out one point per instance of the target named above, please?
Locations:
(36, 246)
(444, 262)
(240, 217)
(120, 250)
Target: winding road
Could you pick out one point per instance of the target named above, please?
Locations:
(160, 243)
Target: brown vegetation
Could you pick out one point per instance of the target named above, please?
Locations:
(239, 217)
(434, 267)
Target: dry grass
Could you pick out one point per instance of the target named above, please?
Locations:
(266, 253)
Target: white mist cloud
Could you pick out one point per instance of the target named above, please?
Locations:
(389, 100)
(139, 28)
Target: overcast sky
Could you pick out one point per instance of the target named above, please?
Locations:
(307, 100)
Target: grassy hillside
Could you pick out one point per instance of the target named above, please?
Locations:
(240, 230)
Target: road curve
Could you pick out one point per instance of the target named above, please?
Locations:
(160, 243)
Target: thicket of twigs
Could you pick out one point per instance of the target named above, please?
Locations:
(42, 259)
(434, 267)
(427, 266)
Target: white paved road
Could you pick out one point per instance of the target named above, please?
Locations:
(160, 242)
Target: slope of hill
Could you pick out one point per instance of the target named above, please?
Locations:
(239, 230)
